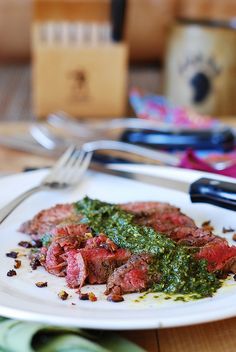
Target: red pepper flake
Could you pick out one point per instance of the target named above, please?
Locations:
(25, 244)
(17, 264)
(92, 297)
(115, 298)
(41, 284)
(226, 230)
(12, 254)
(63, 295)
(11, 272)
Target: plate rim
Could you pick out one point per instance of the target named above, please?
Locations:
(154, 323)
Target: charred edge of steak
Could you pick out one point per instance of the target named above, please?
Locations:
(134, 276)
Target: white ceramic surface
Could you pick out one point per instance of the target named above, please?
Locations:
(20, 298)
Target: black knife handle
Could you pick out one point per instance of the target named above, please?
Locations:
(219, 193)
(209, 139)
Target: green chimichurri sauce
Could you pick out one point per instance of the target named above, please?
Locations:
(180, 272)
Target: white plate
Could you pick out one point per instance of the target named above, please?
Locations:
(20, 298)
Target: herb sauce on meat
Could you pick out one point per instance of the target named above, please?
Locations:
(180, 272)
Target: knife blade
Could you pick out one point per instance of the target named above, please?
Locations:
(204, 190)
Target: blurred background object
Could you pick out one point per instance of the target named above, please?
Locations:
(15, 22)
(201, 66)
(79, 66)
(102, 59)
(154, 40)
(207, 9)
(146, 28)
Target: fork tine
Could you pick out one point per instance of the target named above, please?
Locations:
(81, 167)
(70, 168)
(60, 163)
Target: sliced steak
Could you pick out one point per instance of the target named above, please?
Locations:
(169, 220)
(134, 276)
(101, 263)
(82, 231)
(194, 236)
(147, 207)
(64, 239)
(47, 219)
(220, 257)
(54, 262)
(101, 241)
(73, 235)
(76, 269)
(98, 264)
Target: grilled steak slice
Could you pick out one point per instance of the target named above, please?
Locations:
(169, 220)
(54, 262)
(148, 207)
(98, 264)
(162, 217)
(81, 231)
(101, 263)
(63, 239)
(194, 236)
(180, 228)
(47, 219)
(220, 257)
(101, 241)
(134, 276)
(76, 269)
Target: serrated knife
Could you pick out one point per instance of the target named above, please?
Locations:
(203, 190)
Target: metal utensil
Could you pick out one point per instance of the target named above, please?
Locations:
(157, 135)
(67, 172)
(112, 128)
(25, 144)
(49, 140)
(203, 190)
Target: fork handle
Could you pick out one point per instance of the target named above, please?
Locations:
(8, 209)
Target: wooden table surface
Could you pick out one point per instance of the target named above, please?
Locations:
(218, 336)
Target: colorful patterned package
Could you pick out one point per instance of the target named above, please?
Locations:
(154, 107)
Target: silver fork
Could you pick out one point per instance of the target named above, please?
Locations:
(109, 129)
(67, 172)
(46, 138)
(50, 141)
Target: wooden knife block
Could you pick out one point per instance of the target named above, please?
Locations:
(83, 79)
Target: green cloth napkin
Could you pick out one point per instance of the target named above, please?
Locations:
(19, 336)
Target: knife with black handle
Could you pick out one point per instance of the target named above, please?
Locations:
(219, 193)
(204, 190)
